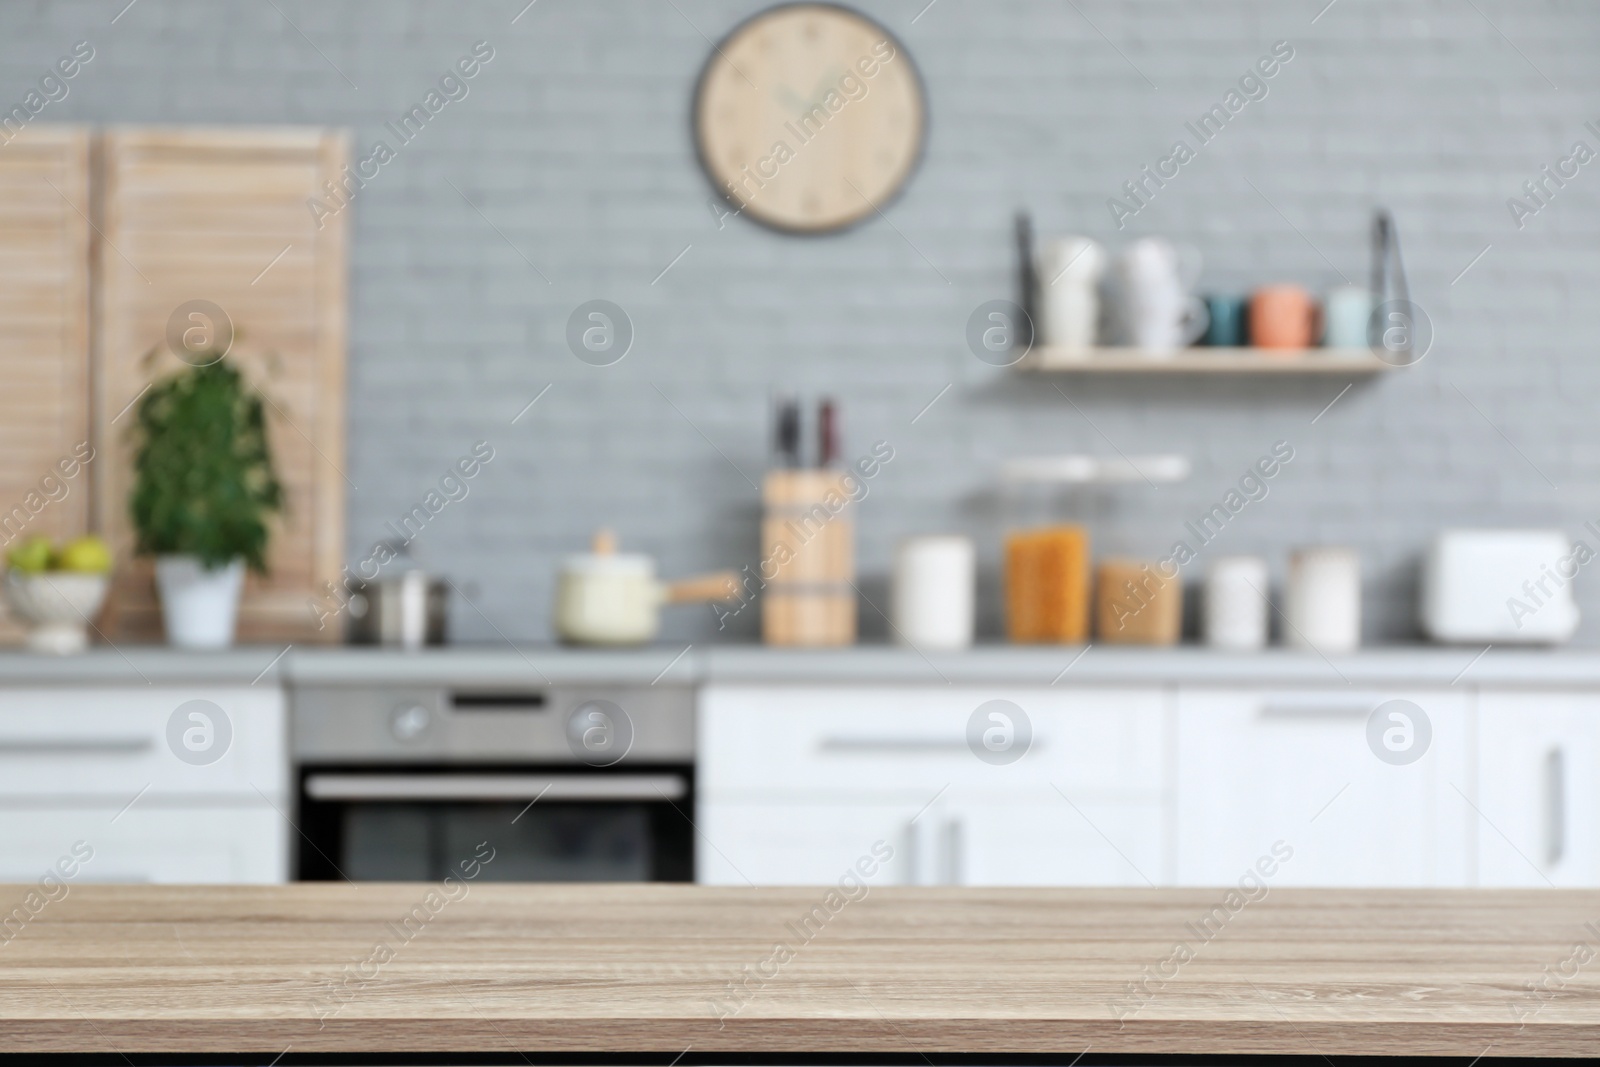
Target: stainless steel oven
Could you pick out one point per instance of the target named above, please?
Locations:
(556, 783)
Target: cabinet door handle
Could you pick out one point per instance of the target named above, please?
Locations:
(74, 746)
(1555, 807)
(893, 744)
(912, 854)
(492, 787)
(1316, 711)
(954, 854)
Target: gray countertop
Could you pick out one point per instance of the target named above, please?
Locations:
(865, 665)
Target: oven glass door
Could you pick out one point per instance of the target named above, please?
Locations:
(404, 824)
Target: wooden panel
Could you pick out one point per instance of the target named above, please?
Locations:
(222, 216)
(547, 969)
(44, 335)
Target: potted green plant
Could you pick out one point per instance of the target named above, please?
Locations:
(203, 492)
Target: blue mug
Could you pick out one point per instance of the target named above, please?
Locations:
(1346, 315)
(1229, 322)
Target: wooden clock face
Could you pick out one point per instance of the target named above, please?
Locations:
(809, 117)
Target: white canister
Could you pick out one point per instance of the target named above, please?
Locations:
(1069, 271)
(1322, 600)
(1235, 605)
(932, 592)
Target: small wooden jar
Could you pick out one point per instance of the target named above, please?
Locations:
(1134, 604)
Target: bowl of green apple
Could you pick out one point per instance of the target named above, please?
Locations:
(57, 589)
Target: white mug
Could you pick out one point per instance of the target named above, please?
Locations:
(1069, 270)
(1157, 310)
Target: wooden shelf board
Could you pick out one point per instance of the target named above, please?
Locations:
(1205, 361)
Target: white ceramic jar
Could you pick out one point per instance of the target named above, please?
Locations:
(1322, 600)
(1235, 607)
(933, 592)
(1069, 271)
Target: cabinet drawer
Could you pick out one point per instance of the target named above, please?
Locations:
(907, 742)
(145, 843)
(110, 743)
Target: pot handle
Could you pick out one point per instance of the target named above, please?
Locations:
(723, 585)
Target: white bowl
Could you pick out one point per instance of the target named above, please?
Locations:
(57, 606)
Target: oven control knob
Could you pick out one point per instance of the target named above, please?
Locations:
(409, 722)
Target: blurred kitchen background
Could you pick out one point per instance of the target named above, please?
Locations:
(569, 173)
(527, 333)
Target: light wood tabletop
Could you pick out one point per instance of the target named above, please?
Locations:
(665, 969)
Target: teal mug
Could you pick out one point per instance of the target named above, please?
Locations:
(1229, 322)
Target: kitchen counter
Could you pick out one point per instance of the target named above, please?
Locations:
(666, 969)
(533, 665)
(142, 665)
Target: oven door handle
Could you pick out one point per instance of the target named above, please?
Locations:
(479, 787)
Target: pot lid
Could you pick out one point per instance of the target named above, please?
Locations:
(604, 559)
(628, 564)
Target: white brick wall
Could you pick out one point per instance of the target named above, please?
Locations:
(574, 142)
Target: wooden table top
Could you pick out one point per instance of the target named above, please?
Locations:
(664, 969)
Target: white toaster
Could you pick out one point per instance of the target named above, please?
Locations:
(1501, 586)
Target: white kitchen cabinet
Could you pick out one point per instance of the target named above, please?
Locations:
(1053, 842)
(1538, 819)
(167, 784)
(146, 843)
(1259, 766)
(800, 844)
(956, 840)
(796, 783)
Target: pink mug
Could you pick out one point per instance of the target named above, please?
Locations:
(1284, 316)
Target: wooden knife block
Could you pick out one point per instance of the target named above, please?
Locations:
(807, 560)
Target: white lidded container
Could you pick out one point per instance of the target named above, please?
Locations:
(1322, 600)
(1235, 606)
(932, 594)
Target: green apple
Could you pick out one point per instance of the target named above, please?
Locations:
(85, 555)
(32, 556)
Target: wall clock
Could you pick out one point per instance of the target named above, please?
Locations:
(809, 117)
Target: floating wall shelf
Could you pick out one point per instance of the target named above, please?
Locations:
(1046, 359)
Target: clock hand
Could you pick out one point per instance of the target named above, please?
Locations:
(787, 96)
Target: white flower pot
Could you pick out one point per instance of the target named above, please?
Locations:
(198, 606)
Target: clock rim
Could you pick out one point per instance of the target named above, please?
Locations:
(871, 209)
